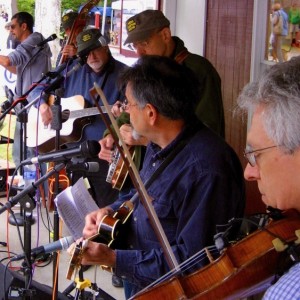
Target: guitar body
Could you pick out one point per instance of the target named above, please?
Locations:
(43, 137)
(74, 119)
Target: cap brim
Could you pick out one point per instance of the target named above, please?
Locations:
(138, 36)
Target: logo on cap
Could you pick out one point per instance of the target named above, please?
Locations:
(131, 25)
(86, 37)
(65, 18)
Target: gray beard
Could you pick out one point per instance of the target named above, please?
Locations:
(135, 135)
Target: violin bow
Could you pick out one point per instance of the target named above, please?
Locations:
(96, 93)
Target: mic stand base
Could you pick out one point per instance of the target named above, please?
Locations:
(18, 220)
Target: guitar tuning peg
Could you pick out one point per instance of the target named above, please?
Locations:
(279, 245)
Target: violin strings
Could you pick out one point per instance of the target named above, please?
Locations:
(184, 266)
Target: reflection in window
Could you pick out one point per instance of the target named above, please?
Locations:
(283, 34)
(122, 10)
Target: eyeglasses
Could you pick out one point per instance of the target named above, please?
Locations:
(136, 45)
(125, 105)
(250, 155)
(145, 43)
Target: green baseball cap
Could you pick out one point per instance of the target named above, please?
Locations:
(141, 26)
(68, 19)
(88, 40)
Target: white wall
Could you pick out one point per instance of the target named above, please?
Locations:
(188, 22)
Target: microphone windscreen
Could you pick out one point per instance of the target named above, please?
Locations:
(90, 148)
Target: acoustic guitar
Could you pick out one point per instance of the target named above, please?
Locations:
(74, 119)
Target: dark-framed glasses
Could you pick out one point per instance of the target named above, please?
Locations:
(250, 154)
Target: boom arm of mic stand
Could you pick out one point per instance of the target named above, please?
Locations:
(18, 198)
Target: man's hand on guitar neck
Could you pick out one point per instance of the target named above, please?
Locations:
(69, 50)
(107, 143)
(46, 113)
(93, 220)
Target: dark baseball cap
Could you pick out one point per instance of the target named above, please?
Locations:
(68, 19)
(141, 26)
(88, 40)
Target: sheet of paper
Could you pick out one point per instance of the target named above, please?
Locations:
(67, 210)
(82, 198)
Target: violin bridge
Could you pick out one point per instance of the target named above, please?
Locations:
(209, 256)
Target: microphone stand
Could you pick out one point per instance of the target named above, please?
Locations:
(23, 118)
(28, 204)
(56, 124)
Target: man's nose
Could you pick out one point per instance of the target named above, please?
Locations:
(251, 173)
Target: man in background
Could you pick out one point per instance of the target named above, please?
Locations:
(149, 34)
(70, 49)
(29, 63)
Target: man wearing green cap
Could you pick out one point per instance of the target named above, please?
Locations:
(149, 34)
(67, 22)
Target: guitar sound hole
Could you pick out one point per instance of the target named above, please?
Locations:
(65, 115)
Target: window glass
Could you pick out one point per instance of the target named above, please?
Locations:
(283, 34)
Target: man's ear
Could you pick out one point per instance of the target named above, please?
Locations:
(151, 113)
(166, 34)
(24, 26)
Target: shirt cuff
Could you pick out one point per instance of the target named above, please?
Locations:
(125, 263)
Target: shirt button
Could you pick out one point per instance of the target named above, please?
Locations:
(135, 219)
(153, 165)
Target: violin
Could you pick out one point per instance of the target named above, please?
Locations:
(239, 269)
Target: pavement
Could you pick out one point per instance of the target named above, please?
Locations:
(40, 233)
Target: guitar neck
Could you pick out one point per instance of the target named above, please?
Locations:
(86, 112)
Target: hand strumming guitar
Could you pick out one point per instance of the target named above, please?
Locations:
(46, 113)
(95, 253)
(92, 221)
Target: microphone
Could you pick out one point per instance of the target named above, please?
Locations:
(87, 149)
(91, 166)
(61, 244)
(49, 39)
(58, 81)
(10, 98)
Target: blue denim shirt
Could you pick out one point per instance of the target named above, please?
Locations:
(202, 187)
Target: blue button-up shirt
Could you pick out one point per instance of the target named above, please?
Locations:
(201, 187)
